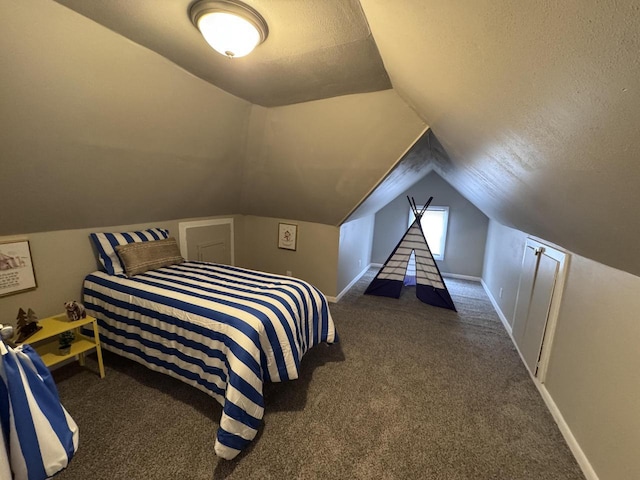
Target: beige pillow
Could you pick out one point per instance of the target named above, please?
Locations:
(142, 256)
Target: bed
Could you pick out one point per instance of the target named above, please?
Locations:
(223, 329)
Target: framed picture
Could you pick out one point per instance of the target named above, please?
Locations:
(16, 268)
(287, 236)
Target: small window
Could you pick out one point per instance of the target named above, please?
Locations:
(434, 225)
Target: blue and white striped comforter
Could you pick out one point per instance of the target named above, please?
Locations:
(222, 329)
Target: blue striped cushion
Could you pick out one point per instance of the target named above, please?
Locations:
(106, 245)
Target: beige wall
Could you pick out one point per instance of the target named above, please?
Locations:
(97, 130)
(595, 359)
(355, 249)
(502, 265)
(315, 260)
(594, 371)
(63, 258)
(317, 160)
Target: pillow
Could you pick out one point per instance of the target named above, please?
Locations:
(106, 243)
(142, 256)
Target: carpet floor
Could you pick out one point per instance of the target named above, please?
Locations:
(410, 392)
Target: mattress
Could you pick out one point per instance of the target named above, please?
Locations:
(225, 330)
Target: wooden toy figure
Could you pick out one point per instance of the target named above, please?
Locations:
(75, 310)
(27, 324)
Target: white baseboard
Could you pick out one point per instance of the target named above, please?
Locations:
(351, 284)
(377, 265)
(573, 444)
(503, 319)
(461, 277)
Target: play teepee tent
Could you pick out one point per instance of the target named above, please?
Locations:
(430, 287)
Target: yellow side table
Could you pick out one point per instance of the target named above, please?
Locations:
(45, 341)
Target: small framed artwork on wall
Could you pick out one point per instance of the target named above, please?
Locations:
(287, 236)
(16, 268)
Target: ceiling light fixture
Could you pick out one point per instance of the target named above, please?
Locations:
(230, 27)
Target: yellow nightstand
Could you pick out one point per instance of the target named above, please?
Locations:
(45, 341)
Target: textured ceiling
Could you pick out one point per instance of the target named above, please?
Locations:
(97, 130)
(536, 106)
(314, 49)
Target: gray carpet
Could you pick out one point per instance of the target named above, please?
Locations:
(411, 392)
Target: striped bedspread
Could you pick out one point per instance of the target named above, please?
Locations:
(222, 329)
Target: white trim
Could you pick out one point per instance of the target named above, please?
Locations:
(353, 282)
(445, 222)
(503, 319)
(562, 257)
(376, 265)
(574, 446)
(547, 243)
(331, 299)
(461, 277)
(566, 432)
(184, 226)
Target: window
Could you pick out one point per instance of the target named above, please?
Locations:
(434, 225)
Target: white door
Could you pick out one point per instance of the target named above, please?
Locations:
(539, 284)
(525, 290)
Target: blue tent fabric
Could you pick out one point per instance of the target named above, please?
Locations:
(435, 296)
(39, 437)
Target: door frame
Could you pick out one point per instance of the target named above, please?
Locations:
(184, 226)
(562, 257)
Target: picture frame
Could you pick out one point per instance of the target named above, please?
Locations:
(17, 274)
(287, 236)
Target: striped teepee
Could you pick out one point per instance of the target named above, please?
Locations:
(430, 287)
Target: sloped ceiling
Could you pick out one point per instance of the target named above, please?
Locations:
(536, 106)
(98, 131)
(415, 164)
(314, 161)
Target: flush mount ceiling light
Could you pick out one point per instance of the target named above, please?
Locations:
(230, 27)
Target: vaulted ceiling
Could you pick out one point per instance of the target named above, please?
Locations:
(117, 112)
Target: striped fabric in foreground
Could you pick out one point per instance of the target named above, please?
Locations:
(224, 330)
(38, 438)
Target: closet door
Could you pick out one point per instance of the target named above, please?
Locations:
(525, 290)
(538, 289)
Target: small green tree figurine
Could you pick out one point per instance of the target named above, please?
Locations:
(64, 342)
